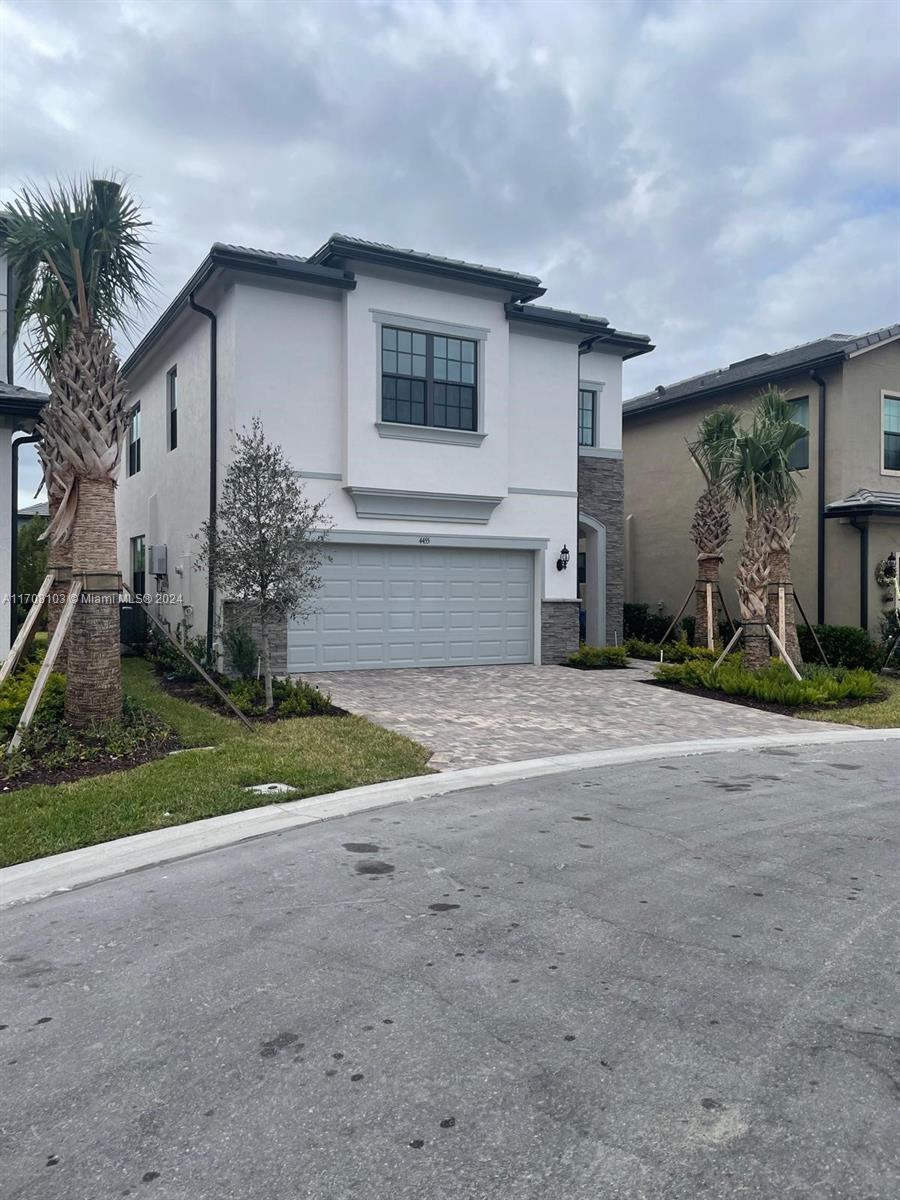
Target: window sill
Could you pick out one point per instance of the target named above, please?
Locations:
(429, 433)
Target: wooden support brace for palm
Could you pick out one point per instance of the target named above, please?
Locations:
(23, 639)
(34, 697)
(190, 658)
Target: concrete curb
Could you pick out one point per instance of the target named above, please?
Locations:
(78, 868)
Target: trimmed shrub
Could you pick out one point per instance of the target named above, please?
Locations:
(640, 622)
(819, 686)
(292, 699)
(241, 652)
(675, 652)
(14, 693)
(844, 646)
(598, 658)
(166, 658)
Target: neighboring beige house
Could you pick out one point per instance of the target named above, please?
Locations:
(846, 390)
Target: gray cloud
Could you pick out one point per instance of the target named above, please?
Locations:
(723, 177)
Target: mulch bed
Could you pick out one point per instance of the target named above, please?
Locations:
(763, 705)
(195, 692)
(89, 767)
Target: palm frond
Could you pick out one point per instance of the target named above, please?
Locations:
(78, 248)
(712, 447)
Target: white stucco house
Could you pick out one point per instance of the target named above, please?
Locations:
(19, 409)
(461, 435)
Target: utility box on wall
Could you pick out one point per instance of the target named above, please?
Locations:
(158, 561)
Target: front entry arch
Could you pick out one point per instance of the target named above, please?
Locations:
(592, 591)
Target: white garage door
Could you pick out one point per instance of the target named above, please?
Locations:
(412, 606)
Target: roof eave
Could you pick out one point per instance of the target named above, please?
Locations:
(519, 287)
(636, 407)
(222, 257)
(589, 331)
(21, 407)
(864, 510)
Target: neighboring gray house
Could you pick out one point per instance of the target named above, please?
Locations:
(845, 388)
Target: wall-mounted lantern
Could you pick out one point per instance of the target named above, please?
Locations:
(563, 561)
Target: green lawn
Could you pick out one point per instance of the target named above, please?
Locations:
(315, 755)
(884, 714)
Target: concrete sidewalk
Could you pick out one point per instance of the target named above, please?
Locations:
(78, 868)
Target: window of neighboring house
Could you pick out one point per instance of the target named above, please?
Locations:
(134, 441)
(890, 433)
(428, 379)
(799, 456)
(138, 573)
(587, 405)
(172, 406)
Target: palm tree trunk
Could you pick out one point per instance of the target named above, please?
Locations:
(94, 683)
(756, 645)
(780, 577)
(707, 572)
(751, 580)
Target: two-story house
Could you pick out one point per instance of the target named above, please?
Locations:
(846, 390)
(439, 412)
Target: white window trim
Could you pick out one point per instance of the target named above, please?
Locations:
(431, 433)
(886, 394)
(596, 386)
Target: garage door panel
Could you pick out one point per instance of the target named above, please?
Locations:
(406, 606)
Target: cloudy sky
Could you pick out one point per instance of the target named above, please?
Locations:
(721, 174)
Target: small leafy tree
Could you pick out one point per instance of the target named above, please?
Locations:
(264, 543)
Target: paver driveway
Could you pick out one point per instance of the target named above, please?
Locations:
(472, 716)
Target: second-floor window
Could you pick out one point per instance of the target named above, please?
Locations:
(172, 406)
(799, 456)
(428, 379)
(134, 441)
(587, 404)
(890, 433)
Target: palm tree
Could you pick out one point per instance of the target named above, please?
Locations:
(760, 478)
(780, 518)
(711, 450)
(79, 251)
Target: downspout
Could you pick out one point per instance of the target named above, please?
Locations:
(820, 501)
(213, 447)
(863, 531)
(14, 532)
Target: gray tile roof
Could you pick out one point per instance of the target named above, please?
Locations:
(342, 243)
(761, 368)
(20, 402)
(865, 498)
(41, 509)
(274, 255)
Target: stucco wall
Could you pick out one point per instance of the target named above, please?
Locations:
(168, 499)
(291, 365)
(662, 485)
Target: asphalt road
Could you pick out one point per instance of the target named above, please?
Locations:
(674, 979)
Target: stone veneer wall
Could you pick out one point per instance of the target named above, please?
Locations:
(559, 630)
(601, 495)
(234, 613)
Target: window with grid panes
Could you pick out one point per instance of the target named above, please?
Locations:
(428, 379)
